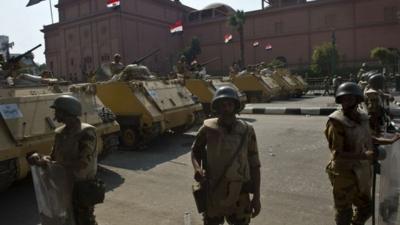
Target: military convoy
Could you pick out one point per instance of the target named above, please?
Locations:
(128, 109)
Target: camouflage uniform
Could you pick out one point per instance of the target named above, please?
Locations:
(374, 103)
(227, 200)
(351, 179)
(72, 146)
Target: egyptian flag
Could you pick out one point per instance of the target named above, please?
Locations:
(113, 3)
(228, 38)
(256, 44)
(268, 47)
(33, 2)
(177, 27)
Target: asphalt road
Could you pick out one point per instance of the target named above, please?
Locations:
(153, 186)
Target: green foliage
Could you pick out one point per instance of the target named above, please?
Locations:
(43, 67)
(237, 21)
(276, 64)
(191, 52)
(322, 58)
(385, 56)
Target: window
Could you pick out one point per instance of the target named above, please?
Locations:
(105, 57)
(390, 14)
(71, 61)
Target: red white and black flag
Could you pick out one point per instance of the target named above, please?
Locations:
(228, 38)
(176, 27)
(268, 47)
(113, 3)
(33, 2)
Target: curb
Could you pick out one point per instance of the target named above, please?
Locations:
(315, 111)
(322, 111)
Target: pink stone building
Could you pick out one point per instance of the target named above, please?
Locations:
(88, 33)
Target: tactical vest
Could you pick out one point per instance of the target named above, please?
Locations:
(221, 146)
(66, 149)
(356, 137)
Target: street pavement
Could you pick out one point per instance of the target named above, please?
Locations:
(153, 186)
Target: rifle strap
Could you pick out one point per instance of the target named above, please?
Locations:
(242, 140)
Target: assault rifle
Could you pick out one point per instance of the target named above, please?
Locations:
(139, 60)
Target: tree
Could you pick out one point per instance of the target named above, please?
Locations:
(322, 58)
(277, 63)
(236, 21)
(387, 57)
(191, 52)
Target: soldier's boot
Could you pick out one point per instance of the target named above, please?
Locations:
(361, 215)
(343, 216)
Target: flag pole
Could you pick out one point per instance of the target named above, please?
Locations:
(51, 12)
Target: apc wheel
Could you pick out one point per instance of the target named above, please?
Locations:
(8, 173)
(129, 137)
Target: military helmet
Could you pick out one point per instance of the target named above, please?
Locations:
(68, 104)
(116, 55)
(349, 88)
(225, 92)
(376, 81)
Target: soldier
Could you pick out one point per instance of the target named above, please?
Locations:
(362, 70)
(337, 80)
(225, 156)
(327, 86)
(181, 65)
(374, 102)
(75, 149)
(351, 145)
(116, 66)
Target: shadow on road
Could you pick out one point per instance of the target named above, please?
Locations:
(110, 178)
(18, 204)
(162, 149)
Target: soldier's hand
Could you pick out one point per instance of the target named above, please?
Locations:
(255, 207)
(369, 155)
(199, 175)
(396, 137)
(36, 160)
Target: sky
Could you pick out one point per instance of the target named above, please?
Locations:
(23, 24)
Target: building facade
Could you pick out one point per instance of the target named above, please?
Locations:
(88, 33)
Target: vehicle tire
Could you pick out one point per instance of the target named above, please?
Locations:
(129, 137)
(8, 173)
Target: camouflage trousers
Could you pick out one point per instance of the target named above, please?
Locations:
(346, 194)
(84, 215)
(241, 217)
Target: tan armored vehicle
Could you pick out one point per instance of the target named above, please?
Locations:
(258, 88)
(26, 125)
(146, 107)
(204, 90)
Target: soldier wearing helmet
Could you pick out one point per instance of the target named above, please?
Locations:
(377, 104)
(351, 145)
(116, 66)
(225, 157)
(75, 149)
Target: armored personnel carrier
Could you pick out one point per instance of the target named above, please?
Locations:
(258, 88)
(26, 125)
(145, 106)
(204, 90)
